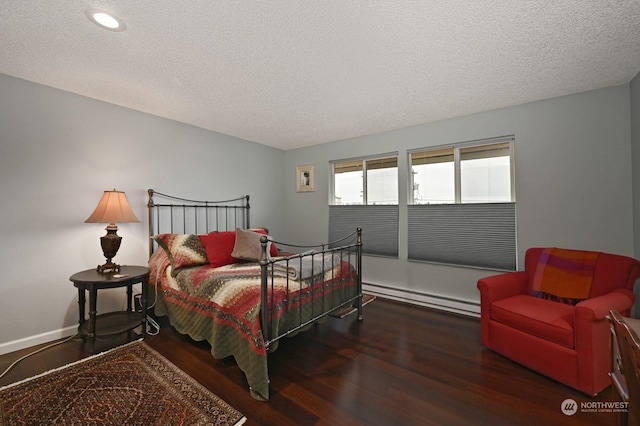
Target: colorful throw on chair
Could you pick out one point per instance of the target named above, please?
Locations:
(564, 275)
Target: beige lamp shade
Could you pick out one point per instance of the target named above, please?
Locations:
(112, 208)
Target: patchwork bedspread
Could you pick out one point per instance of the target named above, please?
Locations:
(222, 305)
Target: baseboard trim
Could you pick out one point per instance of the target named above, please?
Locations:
(38, 339)
(433, 301)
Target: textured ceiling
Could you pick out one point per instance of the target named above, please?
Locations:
(297, 73)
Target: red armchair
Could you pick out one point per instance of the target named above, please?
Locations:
(566, 342)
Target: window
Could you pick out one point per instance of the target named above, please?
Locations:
(365, 194)
(348, 183)
(478, 173)
(485, 173)
(433, 177)
(372, 181)
(462, 208)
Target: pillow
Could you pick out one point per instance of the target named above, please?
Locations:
(183, 250)
(273, 251)
(248, 246)
(218, 247)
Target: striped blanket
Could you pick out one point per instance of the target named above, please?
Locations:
(564, 275)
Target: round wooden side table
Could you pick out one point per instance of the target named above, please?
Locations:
(111, 323)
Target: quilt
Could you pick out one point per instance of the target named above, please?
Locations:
(223, 306)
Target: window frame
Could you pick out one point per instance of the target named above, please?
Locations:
(457, 174)
(463, 234)
(364, 160)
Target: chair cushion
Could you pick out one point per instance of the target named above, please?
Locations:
(546, 319)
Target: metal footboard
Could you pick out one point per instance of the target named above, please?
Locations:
(308, 301)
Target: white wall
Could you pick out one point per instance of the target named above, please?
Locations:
(573, 186)
(58, 153)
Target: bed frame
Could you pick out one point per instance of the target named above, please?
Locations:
(170, 214)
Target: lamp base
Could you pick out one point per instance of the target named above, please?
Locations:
(110, 244)
(108, 267)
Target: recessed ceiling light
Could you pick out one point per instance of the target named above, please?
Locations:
(105, 19)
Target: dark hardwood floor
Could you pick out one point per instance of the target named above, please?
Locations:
(402, 365)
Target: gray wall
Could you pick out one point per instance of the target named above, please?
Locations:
(58, 153)
(635, 149)
(573, 185)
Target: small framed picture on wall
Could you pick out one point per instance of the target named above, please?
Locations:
(305, 178)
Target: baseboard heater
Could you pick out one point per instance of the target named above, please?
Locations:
(434, 301)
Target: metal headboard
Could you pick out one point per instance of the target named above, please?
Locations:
(174, 215)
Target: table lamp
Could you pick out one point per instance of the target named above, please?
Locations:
(112, 208)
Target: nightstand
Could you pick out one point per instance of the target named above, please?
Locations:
(113, 322)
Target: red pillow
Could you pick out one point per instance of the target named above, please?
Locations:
(219, 246)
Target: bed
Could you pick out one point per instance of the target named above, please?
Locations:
(218, 279)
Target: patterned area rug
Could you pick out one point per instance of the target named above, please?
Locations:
(129, 385)
(341, 313)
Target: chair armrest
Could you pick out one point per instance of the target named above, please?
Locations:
(597, 308)
(497, 287)
(494, 288)
(592, 333)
